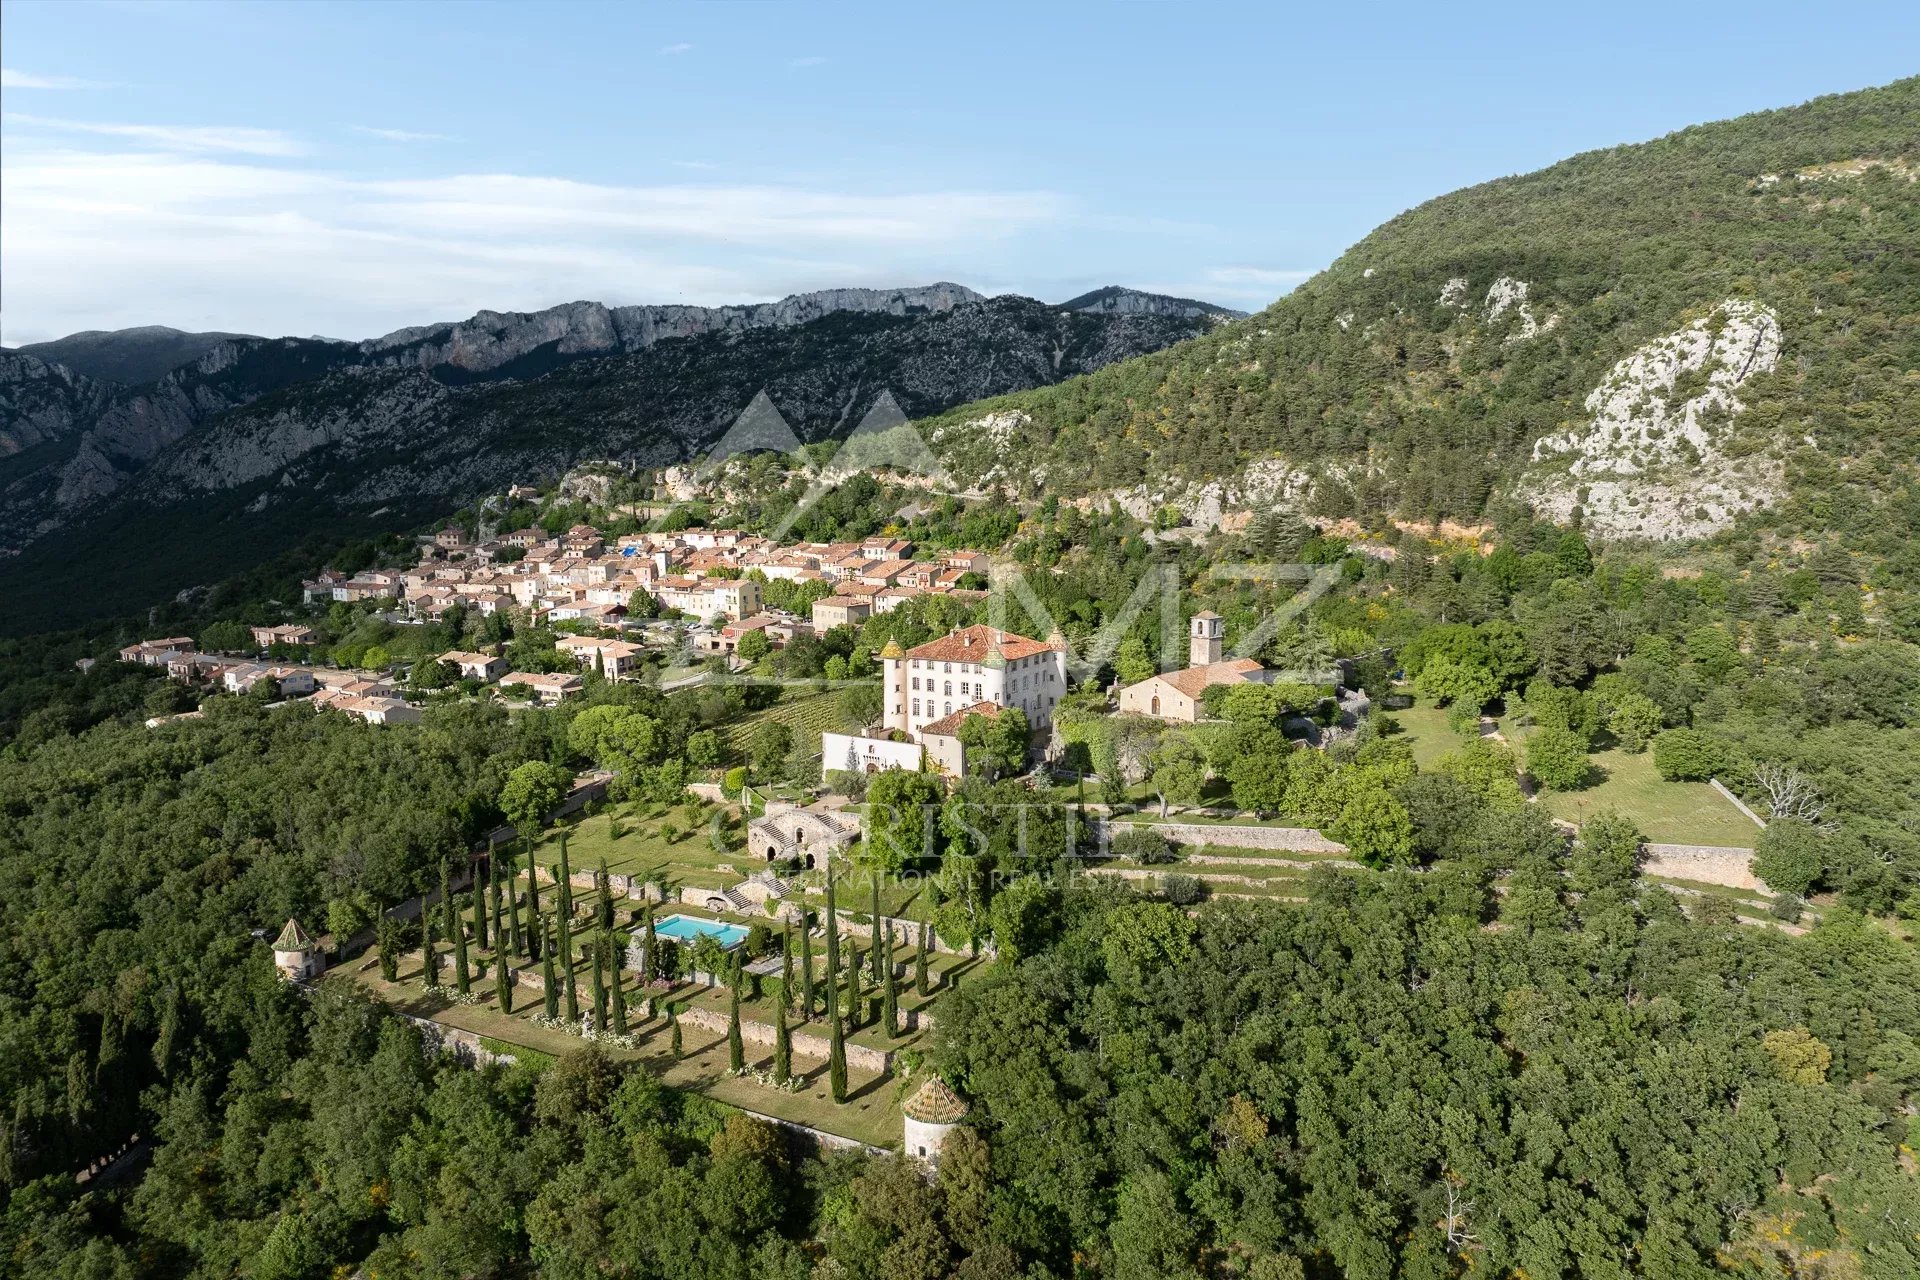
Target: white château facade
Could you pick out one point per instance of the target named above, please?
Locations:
(975, 664)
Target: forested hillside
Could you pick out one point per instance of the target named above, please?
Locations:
(1417, 373)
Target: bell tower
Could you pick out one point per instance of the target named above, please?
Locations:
(1206, 639)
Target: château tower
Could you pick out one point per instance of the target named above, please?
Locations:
(1206, 641)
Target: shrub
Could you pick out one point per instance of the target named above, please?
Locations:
(733, 783)
(1143, 845)
(1183, 890)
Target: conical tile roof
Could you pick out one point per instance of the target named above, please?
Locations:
(935, 1103)
(293, 938)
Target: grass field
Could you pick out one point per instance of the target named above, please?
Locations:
(641, 845)
(870, 1114)
(1425, 729)
(1666, 812)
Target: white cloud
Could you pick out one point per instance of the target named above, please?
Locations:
(682, 47)
(105, 239)
(13, 79)
(398, 135)
(806, 62)
(173, 137)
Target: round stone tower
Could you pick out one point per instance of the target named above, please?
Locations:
(295, 955)
(931, 1112)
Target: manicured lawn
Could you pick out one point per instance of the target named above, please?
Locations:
(870, 1114)
(1666, 812)
(1425, 729)
(632, 840)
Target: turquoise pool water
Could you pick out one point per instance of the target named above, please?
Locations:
(687, 928)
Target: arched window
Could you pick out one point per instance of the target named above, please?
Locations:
(1156, 705)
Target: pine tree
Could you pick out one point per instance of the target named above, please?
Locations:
(547, 980)
(536, 923)
(736, 1051)
(673, 1025)
(502, 974)
(618, 993)
(920, 983)
(782, 1047)
(598, 946)
(889, 996)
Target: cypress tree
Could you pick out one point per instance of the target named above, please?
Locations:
(879, 928)
(648, 969)
(493, 897)
(786, 968)
(782, 1047)
(509, 888)
(833, 935)
(920, 983)
(385, 933)
(479, 908)
(547, 980)
(502, 974)
(564, 882)
(603, 886)
(673, 1024)
(807, 1004)
(566, 968)
(736, 1051)
(618, 994)
(462, 975)
(856, 997)
(429, 957)
(837, 1050)
(536, 923)
(889, 997)
(597, 946)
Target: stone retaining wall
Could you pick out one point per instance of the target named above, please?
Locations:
(1707, 863)
(805, 1043)
(1286, 839)
(464, 1045)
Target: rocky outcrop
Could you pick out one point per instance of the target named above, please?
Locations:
(495, 339)
(1117, 300)
(41, 403)
(1653, 460)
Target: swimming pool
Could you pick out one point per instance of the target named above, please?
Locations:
(688, 928)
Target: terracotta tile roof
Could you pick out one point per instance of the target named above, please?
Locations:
(972, 644)
(1193, 681)
(935, 1103)
(947, 726)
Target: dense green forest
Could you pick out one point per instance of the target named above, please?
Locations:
(1399, 403)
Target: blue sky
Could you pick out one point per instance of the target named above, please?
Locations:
(346, 169)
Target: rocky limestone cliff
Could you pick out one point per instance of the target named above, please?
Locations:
(494, 339)
(129, 357)
(1653, 459)
(42, 403)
